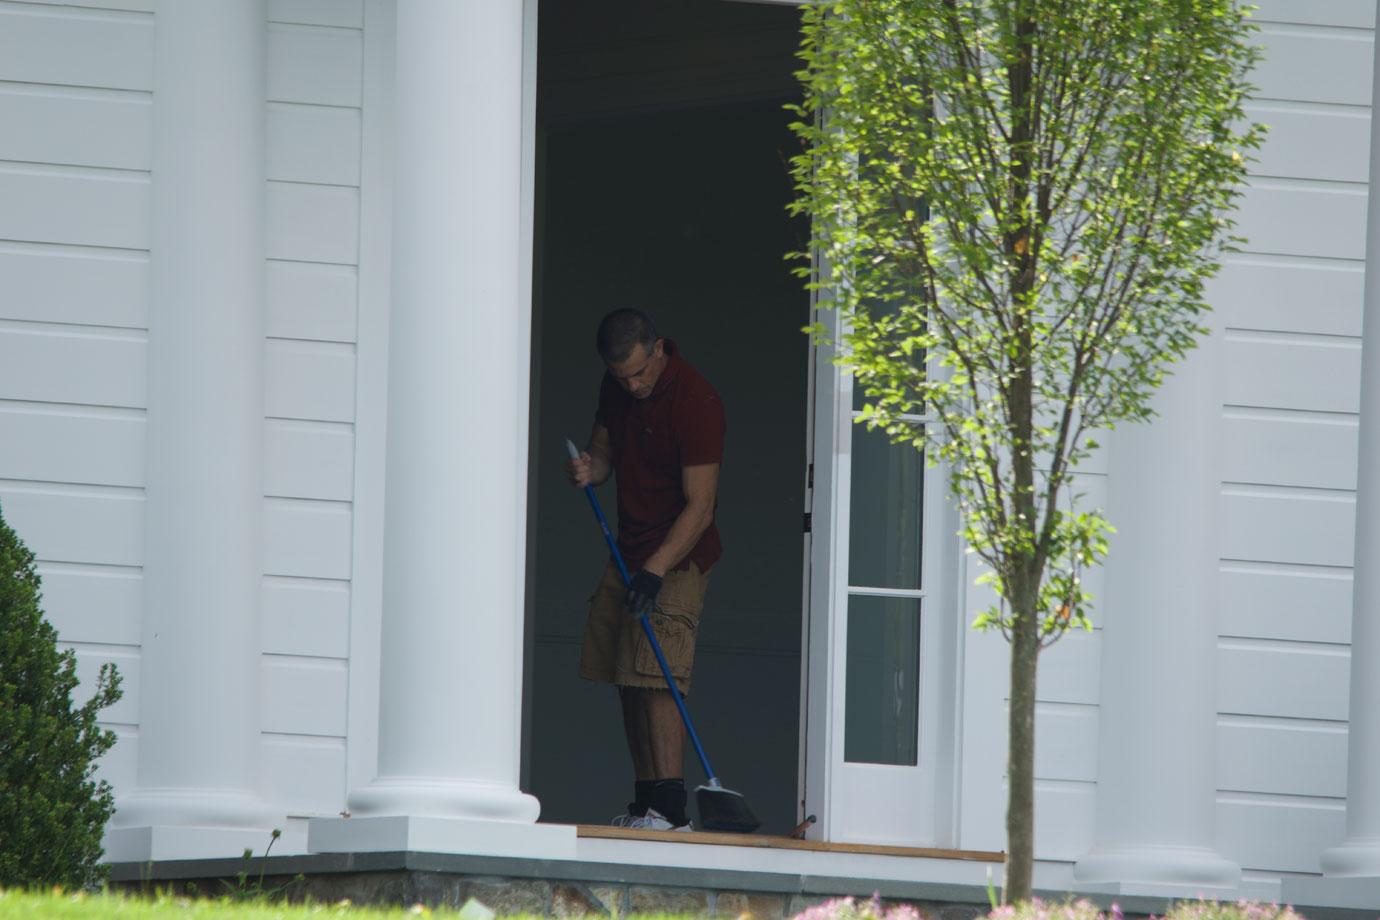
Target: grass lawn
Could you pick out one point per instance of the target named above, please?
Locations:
(15, 905)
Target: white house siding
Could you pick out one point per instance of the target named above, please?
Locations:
(75, 106)
(1291, 305)
(314, 118)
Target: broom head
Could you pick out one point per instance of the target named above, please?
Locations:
(724, 810)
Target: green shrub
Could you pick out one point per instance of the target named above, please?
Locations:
(52, 810)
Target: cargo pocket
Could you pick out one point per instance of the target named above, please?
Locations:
(677, 637)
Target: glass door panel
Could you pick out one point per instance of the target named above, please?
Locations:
(882, 693)
(885, 508)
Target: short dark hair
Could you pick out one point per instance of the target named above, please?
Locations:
(623, 330)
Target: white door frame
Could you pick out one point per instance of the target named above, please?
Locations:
(863, 802)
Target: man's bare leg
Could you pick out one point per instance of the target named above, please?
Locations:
(637, 731)
(666, 732)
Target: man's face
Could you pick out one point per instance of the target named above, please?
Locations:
(639, 372)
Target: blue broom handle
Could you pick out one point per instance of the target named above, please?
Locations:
(646, 625)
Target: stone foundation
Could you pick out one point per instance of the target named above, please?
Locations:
(533, 897)
(601, 893)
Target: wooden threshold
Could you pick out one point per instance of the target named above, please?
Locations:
(764, 841)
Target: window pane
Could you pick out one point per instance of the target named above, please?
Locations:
(882, 695)
(884, 514)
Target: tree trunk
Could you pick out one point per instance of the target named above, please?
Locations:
(1020, 759)
(1024, 569)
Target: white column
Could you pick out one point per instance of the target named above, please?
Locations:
(454, 533)
(199, 669)
(1156, 783)
(1359, 854)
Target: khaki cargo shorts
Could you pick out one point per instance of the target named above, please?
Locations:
(616, 650)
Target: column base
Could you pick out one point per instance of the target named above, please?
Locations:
(190, 807)
(414, 834)
(1143, 869)
(159, 824)
(464, 799)
(1356, 857)
(167, 842)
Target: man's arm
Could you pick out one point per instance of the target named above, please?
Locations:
(595, 464)
(701, 485)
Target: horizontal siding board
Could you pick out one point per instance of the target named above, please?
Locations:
(1322, 376)
(310, 380)
(119, 766)
(75, 286)
(90, 605)
(1357, 14)
(304, 777)
(1296, 683)
(133, 6)
(308, 461)
(307, 539)
(313, 144)
(1067, 748)
(45, 366)
(1317, 454)
(1330, 145)
(1286, 605)
(89, 662)
(71, 447)
(340, 13)
(53, 206)
(1303, 221)
(1281, 760)
(311, 301)
(1278, 838)
(315, 65)
(68, 527)
(1311, 66)
(75, 48)
(1070, 670)
(1064, 817)
(1288, 529)
(1256, 293)
(307, 618)
(75, 129)
(313, 223)
(304, 697)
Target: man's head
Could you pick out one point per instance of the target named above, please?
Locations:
(634, 354)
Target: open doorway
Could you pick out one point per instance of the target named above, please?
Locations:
(662, 183)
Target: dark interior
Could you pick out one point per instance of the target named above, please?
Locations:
(662, 183)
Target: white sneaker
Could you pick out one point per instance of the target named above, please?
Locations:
(625, 820)
(654, 820)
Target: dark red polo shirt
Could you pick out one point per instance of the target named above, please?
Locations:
(681, 424)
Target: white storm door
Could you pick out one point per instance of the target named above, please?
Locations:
(880, 637)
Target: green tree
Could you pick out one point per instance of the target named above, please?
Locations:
(52, 810)
(1016, 204)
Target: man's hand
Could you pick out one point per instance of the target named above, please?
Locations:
(593, 467)
(580, 470)
(642, 592)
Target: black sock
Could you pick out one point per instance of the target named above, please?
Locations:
(668, 797)
(642, 797)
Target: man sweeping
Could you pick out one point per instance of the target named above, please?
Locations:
(659, 428)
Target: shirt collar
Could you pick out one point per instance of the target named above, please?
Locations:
(673, 365)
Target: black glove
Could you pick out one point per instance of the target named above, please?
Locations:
(642, 592)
